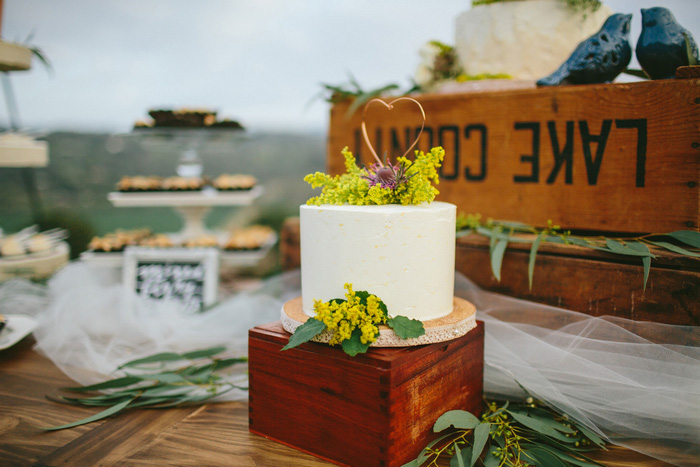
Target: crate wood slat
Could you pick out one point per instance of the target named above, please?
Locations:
(374, 409)
(590, 282)
(620, 157)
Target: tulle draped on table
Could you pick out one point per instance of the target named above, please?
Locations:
(636, 383)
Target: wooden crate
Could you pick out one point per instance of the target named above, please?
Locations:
(575, 278)
(591, 282)
(374, 409)
(612, 157)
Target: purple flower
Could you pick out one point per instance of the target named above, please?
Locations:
(388, 176)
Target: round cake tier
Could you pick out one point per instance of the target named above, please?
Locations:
(405, 255)
(460, 321)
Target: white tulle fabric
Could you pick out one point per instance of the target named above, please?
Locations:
(636, 383)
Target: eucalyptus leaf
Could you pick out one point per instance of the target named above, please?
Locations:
(304, 333)
(544, 458)
(167, 377)
(617, 247)
(460, 419)
(460, 457)
(204, 353)
(491, 459)
(568, 458)
(590, 434)
(535, 424)
(689, 237)
(676, 249)
(157, 358)
(406, 328)
(110, 384)
(227, 362)
(533, 256)
(499, 250)
(544, 419)
(98, 416)
(425, 453)
(481, 436)
(646, 260)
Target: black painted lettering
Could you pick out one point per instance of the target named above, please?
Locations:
(481, 174)
(443, 131)
(641, 125)
(562, 156)
(534, 158)
(593, 163)
(428, 130)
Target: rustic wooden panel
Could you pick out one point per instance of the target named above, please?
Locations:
(621, 157)
(375, 409)
(594, 283)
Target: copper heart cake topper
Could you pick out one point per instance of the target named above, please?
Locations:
(390, 106)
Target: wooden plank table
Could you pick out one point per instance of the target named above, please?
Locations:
(211, 434)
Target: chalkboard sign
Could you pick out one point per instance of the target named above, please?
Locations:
(187, 275)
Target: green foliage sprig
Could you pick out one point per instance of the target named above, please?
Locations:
(500, 233)
(353, 91)
(142, 388)
(354, 322)
(514, 434)
(353, 187)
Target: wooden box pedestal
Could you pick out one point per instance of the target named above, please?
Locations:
(374, 409)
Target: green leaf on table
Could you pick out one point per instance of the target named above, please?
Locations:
(461, 457)
(481, 436)
(406, 328)
(536, 424)
(425, 453)
(539, 456)
(497, 253)
(204, 353)
(304, 333)
(676, 249)
(689, 237)
(597, 440)
(98, 416)
(227, 362)
(109, 384)
(533, 256)
(354, 345)
(157, 358)
(460, 419)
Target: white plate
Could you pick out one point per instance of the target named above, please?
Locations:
(16, 328)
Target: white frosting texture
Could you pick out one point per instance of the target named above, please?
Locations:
(526, 39)
(405, 255)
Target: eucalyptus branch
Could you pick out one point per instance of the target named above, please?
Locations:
(501, 233)
(141, 387)
(514, 434)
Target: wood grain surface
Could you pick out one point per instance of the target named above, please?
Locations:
(212, 434)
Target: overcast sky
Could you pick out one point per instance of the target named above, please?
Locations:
(260, 62)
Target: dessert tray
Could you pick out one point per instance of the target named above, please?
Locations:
(456, 324)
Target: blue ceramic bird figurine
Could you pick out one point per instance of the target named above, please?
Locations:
(598, 59)
(664, 45)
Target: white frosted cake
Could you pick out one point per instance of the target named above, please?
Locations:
(405, 255)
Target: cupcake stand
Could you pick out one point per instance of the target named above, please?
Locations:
(192, 206)
(21, 151)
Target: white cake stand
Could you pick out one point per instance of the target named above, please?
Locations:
(192, 206)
